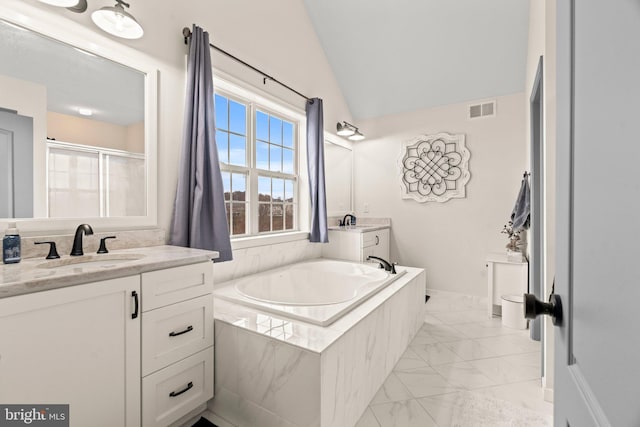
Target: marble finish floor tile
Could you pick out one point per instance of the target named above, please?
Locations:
(458, 317)
(465, 370)
(473, 409)
(464, 375)
(423, 382)
(470, 350)
(526, 394)
(436, 354)
(368, 419)
(391, 391)
(510, 344)
(410, 360)
(441, 333)
(484, 329)
(402, 414)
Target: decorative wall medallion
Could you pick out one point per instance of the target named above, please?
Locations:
(434, 168)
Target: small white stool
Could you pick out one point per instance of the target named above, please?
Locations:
(513, 312)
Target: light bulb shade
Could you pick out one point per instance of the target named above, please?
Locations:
(61, 3)
(115, 20)
(357, 136)
(344, 129)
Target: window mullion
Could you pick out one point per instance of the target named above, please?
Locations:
(253, 176)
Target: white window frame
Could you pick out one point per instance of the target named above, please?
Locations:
(238, 91)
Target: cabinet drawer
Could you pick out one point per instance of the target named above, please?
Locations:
(374, 238)
(174, 332)
(164, 287)
(172, 392)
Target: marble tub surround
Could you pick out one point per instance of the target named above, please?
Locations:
(64, 242)
(38, 274)
(252, 260)
(271, 370)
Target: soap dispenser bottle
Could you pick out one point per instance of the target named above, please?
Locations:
(11, 245)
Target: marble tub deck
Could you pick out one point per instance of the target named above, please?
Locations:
(271, 370)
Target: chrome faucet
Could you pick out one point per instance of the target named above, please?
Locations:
(391, 267)
(343, 223)
(77, 240)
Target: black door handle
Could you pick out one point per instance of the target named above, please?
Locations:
(533, 308)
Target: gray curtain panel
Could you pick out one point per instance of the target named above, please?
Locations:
(315, 162)
(199, 216)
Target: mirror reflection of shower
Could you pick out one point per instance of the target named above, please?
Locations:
(83, 150)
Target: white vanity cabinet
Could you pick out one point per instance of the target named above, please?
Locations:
(78, 345)
(177, 342)
(121, 352)
(357, 245)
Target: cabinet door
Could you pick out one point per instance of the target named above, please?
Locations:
(78, 346)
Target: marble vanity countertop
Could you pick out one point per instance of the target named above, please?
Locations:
(38, 274)
(360, 228)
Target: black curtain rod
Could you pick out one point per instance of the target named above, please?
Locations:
(187, 33)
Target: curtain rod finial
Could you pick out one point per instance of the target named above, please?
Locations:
(186, 33)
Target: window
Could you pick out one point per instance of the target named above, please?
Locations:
(257, 153)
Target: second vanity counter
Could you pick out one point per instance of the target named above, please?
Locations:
(38, 274)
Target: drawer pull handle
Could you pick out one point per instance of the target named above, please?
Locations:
(377, 240)
(178, 393)
(134, 295)
(175, 334)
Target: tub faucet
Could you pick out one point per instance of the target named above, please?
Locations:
(391, 267)
(352, 219)
(77, 240)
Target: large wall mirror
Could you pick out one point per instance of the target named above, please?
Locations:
(77, 131)
(338, 158)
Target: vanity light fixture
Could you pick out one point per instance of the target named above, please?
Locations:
(111, 19)
(77, 6)
(61, 3)
(345, 129)
(357, 136)
(118, 22)
(350, 131)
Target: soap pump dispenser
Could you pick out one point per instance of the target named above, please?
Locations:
(11, 245)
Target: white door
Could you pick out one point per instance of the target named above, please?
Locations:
(598, 209)
(16, 165)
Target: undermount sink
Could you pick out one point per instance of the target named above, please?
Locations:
(90, 261)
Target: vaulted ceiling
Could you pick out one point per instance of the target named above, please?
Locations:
(393, 56)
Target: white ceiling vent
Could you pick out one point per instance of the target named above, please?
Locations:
(486, 109)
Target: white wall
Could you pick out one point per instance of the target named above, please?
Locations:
(450, 240)
(274, 36)
(542, 42)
